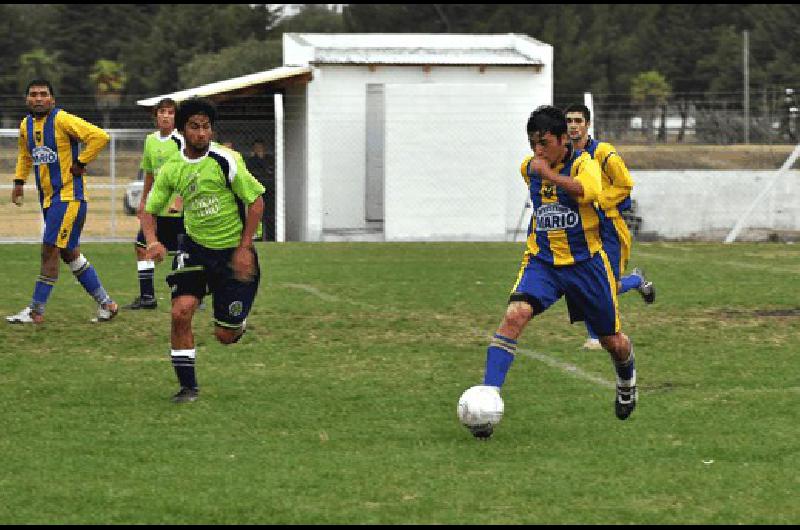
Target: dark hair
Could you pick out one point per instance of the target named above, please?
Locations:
(578, 107)
(165, 102)
(40, 82)
(194, 106)
(547, 119)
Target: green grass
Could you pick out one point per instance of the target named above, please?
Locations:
(338, 406)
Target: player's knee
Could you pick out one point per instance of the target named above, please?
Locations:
(518, 314)
(227, 336)
(616, 344)
(182, 312)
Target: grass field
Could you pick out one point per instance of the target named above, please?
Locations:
(339, 404)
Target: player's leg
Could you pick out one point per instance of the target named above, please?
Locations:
(592, 290)
(635, 280)
(534, 291)
(232, 300)
(145, 269)
(188, 285)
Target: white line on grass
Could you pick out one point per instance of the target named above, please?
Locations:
(567, 368)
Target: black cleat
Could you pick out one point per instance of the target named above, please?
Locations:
(625, 401)
(142, 302)
(482, 432)
(185, 395)
(647, 289)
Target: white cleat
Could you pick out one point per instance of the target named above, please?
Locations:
(26, 316)
(592, 344)
(106, 312)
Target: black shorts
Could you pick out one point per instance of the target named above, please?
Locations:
(197, 271)
(167, 231)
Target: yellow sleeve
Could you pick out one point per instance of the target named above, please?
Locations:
(93, 136)
(618, 180)
(24, 159)
(523, 170)
(587, 171)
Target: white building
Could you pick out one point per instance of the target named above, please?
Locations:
(400, 137)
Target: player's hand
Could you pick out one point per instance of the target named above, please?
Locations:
(17, 194)
(243, 264)
(541, 166)
(155, 251)
(77, 169)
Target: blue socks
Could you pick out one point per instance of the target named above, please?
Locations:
(499, 357)
(87, 276)
(626, 371)
(41, 292)
(632, 281)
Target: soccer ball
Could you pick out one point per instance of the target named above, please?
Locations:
(480, 406)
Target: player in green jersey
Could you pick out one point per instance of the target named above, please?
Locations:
(222, 208)
(158, 147)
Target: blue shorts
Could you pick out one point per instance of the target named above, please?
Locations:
(63, 224)
(589, 288)
(197, 271)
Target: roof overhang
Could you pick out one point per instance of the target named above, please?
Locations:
(257, 83)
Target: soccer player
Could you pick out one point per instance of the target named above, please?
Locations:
(158, 147)
(222, 209)
(614, 199)
(49, 142)
(564, 257)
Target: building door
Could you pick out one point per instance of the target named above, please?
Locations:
(375, 127)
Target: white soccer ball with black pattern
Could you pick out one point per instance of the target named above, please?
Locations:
(480, 406)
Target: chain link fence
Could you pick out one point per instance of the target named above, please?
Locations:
(686, 136)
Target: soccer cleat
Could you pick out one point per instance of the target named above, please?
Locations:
(592, 344)
(482, 432)
(143, 302)
(26, 316)
(106, 312)
(625, 401)
(185, 395)
(647, 289)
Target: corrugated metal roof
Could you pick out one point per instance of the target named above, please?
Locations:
(454, 56)
(229, 85)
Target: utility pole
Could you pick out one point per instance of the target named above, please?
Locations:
(746, 68)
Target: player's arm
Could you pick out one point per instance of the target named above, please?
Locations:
(24, 165)
(94, 138)
(581, 189)
(157, 198)
(621, 181)
(247, 188)
(587, 173)
(146, 187)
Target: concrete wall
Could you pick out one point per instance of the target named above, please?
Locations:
(707, 204)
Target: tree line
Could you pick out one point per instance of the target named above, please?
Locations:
(147, 49)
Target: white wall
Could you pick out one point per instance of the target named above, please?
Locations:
(707, 204)
(444, 180)
(336, 132)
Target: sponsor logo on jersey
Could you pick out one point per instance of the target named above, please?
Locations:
(43, 155)
(555, 217)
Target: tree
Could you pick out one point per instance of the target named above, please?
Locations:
(39, 64)
(109, 81)
(248, 57)
(650, 90)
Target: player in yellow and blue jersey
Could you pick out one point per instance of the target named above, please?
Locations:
(49, 143)
(564, 257)
(614, 199)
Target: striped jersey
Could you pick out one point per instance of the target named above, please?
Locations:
(216, 190)
(564, 230)
(50, 144)
(617, 181)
